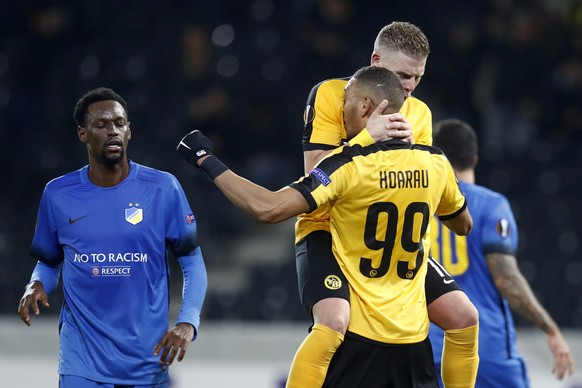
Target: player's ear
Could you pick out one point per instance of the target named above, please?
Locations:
(375, 58)
(82, 133)
(366, 107)
(128, 130)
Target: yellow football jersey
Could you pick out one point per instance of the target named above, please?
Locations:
(324, 129)
(380, 200)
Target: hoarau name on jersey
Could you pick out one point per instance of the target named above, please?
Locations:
(125, 257)
(407, 179)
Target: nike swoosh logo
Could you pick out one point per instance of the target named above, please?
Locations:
(73, 220)
(184, 145)
(448, 281)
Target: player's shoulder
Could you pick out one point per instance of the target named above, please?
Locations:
(330, 86)
(432, 153)
(66, 181)
(349, 153)
(340, 157)
(331, 83)
(414, 104)
(152, 175)
(484, 194)
(394, 145)
(429, 149)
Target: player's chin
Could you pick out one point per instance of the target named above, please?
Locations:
(113, 158)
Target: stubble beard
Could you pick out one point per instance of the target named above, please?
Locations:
(112, 160)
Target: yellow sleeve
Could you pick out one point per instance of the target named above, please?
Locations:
(339, 181)
(452, 199)
(419, 116)
(317, 219)
(363, 138)
(324, 126)
(323, 130)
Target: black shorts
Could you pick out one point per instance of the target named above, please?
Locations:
(360, 362)
(438, 281)
(320, 277)
(318, 272)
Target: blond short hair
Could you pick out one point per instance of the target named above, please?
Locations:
(404, 37)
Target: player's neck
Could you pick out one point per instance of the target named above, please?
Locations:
(467, 175)
(108, 176)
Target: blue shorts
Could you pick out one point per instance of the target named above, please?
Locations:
(70, 381)
(510, 372)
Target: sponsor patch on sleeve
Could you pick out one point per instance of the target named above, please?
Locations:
(321, 176)
(190, 218)
(502, 228)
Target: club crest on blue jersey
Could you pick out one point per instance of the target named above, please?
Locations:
(321, 176)
(134, 215)
(190, 218)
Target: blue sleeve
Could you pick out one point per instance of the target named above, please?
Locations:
(499, 232)
(182, 237)
(194, 288)
(181, 229)
(48, 275)
(45, 244)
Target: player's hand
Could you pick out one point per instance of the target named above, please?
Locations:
(391, 126)
(399, 128)
(33, 296)
(175, 342)
(563, 361)
(194, 146)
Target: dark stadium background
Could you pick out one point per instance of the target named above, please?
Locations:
(241, 72)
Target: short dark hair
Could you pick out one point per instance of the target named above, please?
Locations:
(380, 83)
(95, 95)
(458, 141)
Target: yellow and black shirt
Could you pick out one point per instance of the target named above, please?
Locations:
(380, 200)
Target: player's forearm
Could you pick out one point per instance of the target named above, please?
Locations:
(194, 287)
(260, 203)
(461, 224)
(46, 274)
(524, 303)
(516, 290)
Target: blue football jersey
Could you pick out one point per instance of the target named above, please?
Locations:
(494, 231)
(113, 243)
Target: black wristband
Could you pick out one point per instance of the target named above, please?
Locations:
(213, 167)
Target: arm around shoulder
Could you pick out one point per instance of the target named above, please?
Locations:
(260, 203)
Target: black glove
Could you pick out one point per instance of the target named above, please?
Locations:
(194, 146)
